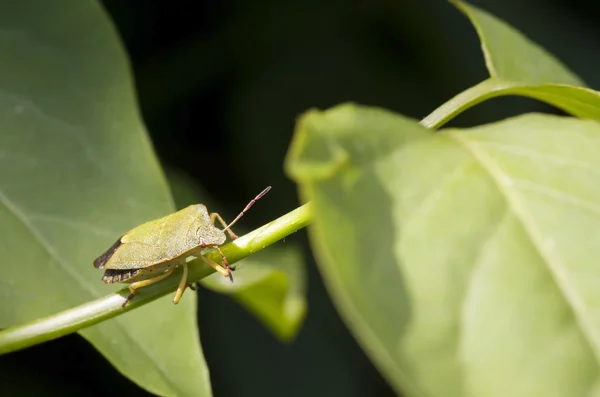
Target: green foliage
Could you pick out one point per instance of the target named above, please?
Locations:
(464, 260)
(271, 286)
(517, 66)
(67, 107)
(77, 172)
(446, 251)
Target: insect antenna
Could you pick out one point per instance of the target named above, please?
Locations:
(250, 204)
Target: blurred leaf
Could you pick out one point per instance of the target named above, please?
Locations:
(76, 171)
(270, 284)
(464, 261)
(518, 66)
(511, 56)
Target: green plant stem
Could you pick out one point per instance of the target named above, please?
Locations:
(487, 89)
(72, 320)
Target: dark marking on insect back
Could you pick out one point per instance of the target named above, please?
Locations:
(112, 276)
(100, 261)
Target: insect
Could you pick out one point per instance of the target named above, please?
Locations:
(152, 251)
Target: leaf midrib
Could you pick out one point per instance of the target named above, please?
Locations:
(554, 265)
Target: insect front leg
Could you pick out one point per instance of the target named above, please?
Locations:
(224, 263)
(196, 284)
(144, 283)
(225, 271)
(214, 216)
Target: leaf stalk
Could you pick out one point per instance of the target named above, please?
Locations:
(96, 311)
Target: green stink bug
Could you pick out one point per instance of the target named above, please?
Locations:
(152, 251)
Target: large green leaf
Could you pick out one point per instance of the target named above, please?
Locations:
(76, 171)
(270, 284)
(465, 262)
(518, 66)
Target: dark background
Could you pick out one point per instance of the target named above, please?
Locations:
(220, 84)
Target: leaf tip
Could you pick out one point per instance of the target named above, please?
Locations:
(311, 154)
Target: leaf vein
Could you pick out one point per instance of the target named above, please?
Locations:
(73, 224)
(558, 195)
(83, 282)
(520, 151)
(433, 195)
(42, 241)
(554, 264)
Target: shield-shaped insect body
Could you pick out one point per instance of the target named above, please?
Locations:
(152, 251)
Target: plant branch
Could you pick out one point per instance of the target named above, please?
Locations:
(487, 89)
(72, 320)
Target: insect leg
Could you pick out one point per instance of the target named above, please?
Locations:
(229, 231)
(225, 264)
(196, 284)
(225, 272)
(182, 284)
(144, 283)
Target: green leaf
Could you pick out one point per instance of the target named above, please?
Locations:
(513, 57)
(465, 262)
(517, 66)
(76, 171)
(270, 284)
